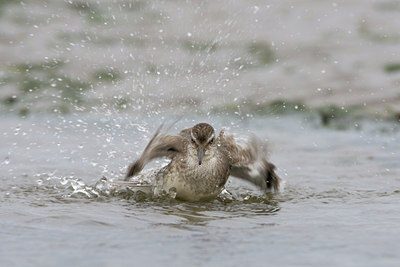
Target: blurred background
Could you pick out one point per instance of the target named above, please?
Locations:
(235, 57)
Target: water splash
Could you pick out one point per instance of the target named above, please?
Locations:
(51, 188)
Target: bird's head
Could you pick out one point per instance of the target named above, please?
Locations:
(202, 137)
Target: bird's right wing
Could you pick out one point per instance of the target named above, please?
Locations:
(160, 145)
(249, 162)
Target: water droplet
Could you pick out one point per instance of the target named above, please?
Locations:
(64, 181)
(256, 9)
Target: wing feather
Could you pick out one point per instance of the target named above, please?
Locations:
(249, 162)
(160, 145)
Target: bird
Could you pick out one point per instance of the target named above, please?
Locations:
(201, 163)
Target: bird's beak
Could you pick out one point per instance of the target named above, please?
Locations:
(200, 154)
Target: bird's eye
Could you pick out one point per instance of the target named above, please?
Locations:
(193, 142)
(212, 140)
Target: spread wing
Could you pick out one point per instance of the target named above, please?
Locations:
(249, 162)
(160, 145)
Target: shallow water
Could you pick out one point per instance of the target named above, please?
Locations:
(339, 206)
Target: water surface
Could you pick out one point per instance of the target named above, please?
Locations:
(339, 206)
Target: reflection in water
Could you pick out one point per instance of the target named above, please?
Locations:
(200, 214)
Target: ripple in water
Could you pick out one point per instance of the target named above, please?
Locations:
(50, 188)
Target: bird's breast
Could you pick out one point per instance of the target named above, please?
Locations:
(192, 181)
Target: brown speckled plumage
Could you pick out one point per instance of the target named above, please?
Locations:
(201, 163)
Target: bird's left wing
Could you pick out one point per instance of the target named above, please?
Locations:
(160, 145)
(249, 162)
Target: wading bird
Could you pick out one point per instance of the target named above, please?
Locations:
(201, 163)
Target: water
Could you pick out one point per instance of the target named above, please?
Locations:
(84, 84)
(339, 206)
